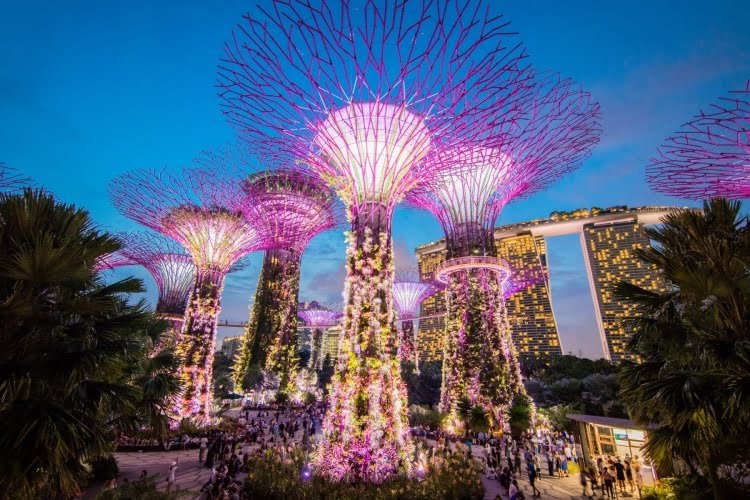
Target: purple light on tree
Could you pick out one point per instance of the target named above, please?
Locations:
(171, 268)
(290, 207)
(199, 210)
(710, 155)
(358, 92)
(318, 318)
(408, 293)
(473, 182)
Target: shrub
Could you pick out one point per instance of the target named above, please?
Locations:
(425, 416)
(455, 479)
(143, 489)
(104, 468)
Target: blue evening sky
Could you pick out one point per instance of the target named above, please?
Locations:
(91, 89)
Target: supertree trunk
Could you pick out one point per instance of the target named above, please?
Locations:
(478, 363)
(196, 346)
(316, 349)
(406, 346)
(270, 338)
(365, 431)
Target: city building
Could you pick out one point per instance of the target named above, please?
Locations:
(609, 238)
(610, 249)
(230, 346)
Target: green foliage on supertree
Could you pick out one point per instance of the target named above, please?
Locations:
(270, 337)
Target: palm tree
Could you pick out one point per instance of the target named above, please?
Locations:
(70, 345)
(693, 381)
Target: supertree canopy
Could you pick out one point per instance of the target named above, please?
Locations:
(199, 210)
(358, 92)
(472, 183)
(291, 207)
(318, 318)
(710, 155)
(408, 293)
(171, 268)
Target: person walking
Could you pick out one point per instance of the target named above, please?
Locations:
(532, 479)
(171, 475)
(203, 447)
(584, 483)
(564, 465)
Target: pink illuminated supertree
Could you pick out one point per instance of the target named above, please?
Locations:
(408, 293)
(357, 92)
(473, 182)
(710, 155)
(290, 207)
(319, 318)
(171, 268)
(200, 210)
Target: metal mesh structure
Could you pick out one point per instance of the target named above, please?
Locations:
(708, 156)
(357, 92)
(290, 207)
(408, 293)
(168, 264)
(201, 211)
(474, 180)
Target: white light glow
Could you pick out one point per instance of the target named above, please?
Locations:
(374, 146)
(468, 179)
(408, 296)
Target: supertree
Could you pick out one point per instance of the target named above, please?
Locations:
(357, 91)
(291, 207)
(318, 318)
(171, 268)
(710, 155)
(408, 293)
(474, 180)
(10, 180)
(201, 211)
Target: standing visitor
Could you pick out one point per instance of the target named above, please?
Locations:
(608, 479)
(172, 472)
(629, 475)
(620, 475)
(564, 465)
(550, 464)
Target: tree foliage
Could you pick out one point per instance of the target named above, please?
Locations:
(73, 350)
(693, 381)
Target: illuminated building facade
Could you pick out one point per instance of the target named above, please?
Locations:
(610, 255)
(609, 238)
(532, 323)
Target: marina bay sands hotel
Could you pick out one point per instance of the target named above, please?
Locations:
(609, 240)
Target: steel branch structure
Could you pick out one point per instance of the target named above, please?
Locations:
(290, 207)
(473, 181)
(318, 318)
(408, 293)
(358, 92)
(199, 210)
(710, 155)
(171, 268)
